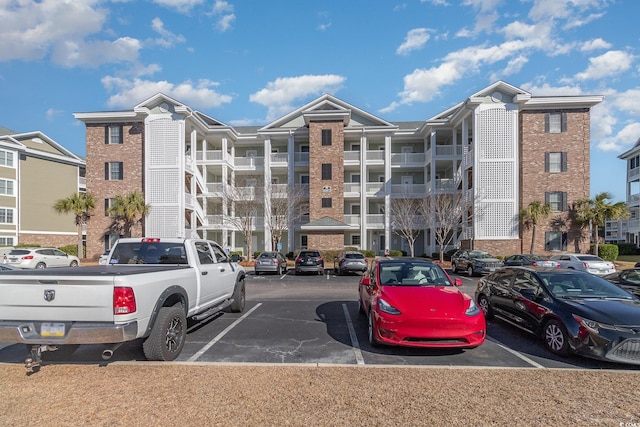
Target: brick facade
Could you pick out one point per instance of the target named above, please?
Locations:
(329, 188)
(48, 240)
(534, 181)
(130, 153)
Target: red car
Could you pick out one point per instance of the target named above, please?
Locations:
(413, 302)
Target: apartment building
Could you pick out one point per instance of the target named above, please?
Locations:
(35, 172)
(628, 230)
(501, 148)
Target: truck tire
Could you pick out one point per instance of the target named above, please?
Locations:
(167, 335)
(239, 298)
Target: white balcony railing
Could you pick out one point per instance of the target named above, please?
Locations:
(352, 187)
(375, 155)
(407, 158)
(351, 156)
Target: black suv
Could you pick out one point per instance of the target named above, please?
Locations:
(474, 262)
(309, 261)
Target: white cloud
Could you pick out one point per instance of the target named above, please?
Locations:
(624, 139)
(594, 44)
(131, 92)
(29, 30)
(279, 94)
(628, 101)
(415, 40)
(167, 38)
(513, 66)
(180, 5)
(51, 113)
(95, 53)
(609, 64)
(436, 2)
(223, 11)
(547, 90)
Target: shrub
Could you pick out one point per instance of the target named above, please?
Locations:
(607, 251)
(27, 245)
(626, 249)
(368, 253)
(396, 253)
(70, 249)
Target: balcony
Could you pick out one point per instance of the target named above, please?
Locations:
(279, 159)
(279, 191)
(403, 190)
(408, 159)
(448, 150)
(352, 157)
(301, 159)
(375, 156)
(248, 163)
(375, 188)
(352, 188)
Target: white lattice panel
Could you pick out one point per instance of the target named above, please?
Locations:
(165, 221)
(164, 186)
(496, 180)
(496, 220)
(496, 134)
(163, 144)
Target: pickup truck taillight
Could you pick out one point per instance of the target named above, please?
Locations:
(124, 300)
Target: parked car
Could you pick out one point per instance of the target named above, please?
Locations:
(41, 258)
(413, 302)
(474, 262)
(309, 261)
(104, 258)
(270, 262)
(585, 262)
(349, 262)
(572, 311)
(531, 259)
(628, 279)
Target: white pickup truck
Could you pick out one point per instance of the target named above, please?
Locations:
(148, 289)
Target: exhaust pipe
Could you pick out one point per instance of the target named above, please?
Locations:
(108, 353)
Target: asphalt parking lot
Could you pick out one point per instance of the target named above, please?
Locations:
(314, 319)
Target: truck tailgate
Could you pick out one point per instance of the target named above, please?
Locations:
(56, 298)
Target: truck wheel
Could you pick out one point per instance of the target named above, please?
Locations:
(167, 335)
(239, 298)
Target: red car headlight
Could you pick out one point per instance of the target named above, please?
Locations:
(387, 308)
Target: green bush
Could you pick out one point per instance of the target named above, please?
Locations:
(27, 245)
(626, 249)
(368, 253)
(395, 253)
(70, 250)
(607, 251)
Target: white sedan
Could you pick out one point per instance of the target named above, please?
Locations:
(585, 262)
(40, 258)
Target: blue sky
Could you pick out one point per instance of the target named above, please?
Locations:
(250, 62)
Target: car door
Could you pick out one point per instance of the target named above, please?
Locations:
(500, 294)
(527, 295)
(211, 290)
(513, 260)
(59, 258)
(225, 272)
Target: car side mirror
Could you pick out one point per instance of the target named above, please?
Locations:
(529, 294)
(457, 281)
(365, 281)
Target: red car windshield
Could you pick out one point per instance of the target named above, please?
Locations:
(412, 274)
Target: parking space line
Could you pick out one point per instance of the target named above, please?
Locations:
(354, 338)
(516, 353)
(221, 334)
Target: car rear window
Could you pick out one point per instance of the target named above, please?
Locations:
(267, 255)
(589, 258)
(19, 252)
(354, 256)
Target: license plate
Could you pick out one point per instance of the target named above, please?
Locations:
(52, 330)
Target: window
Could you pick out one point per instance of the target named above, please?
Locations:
(355, 177)
(355, 240)
(204, 253)
(634, 162)
(326, 136)
(6, 241)
(555, 122)
(326, 171)
(303, 241)
(555, 241)
(113, 135)
(6, 216)
(326, 202)
(557, 200)
(6, 158)
(555, 162)
(107, 205)
(6, 187)
(304, 179)
(304, 148)
(113, 171)
(355, 209)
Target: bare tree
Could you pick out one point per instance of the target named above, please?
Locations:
(444, 213)
(245, 197)
(404, 219)
(286, 209)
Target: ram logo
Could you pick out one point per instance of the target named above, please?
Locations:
(49, 295)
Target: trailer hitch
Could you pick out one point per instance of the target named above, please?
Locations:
(34, 362)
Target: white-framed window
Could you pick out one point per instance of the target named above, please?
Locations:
(557, 200)
(355, 209)
(6, 158)
(114, 134)
(555, 240)
(6, 216)
(355, 240)
(107, 205)
(355, 177)
(6, 241)
(556, 162)
(113, 171)
(355, 147)
(7, 187)
(555, 122)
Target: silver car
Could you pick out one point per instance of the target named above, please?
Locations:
(270, 262)
(585, 262)
(41, 258)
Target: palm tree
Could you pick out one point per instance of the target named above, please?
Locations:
(81, 205)
(596, 211)
(129, 210)
(531, 216)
